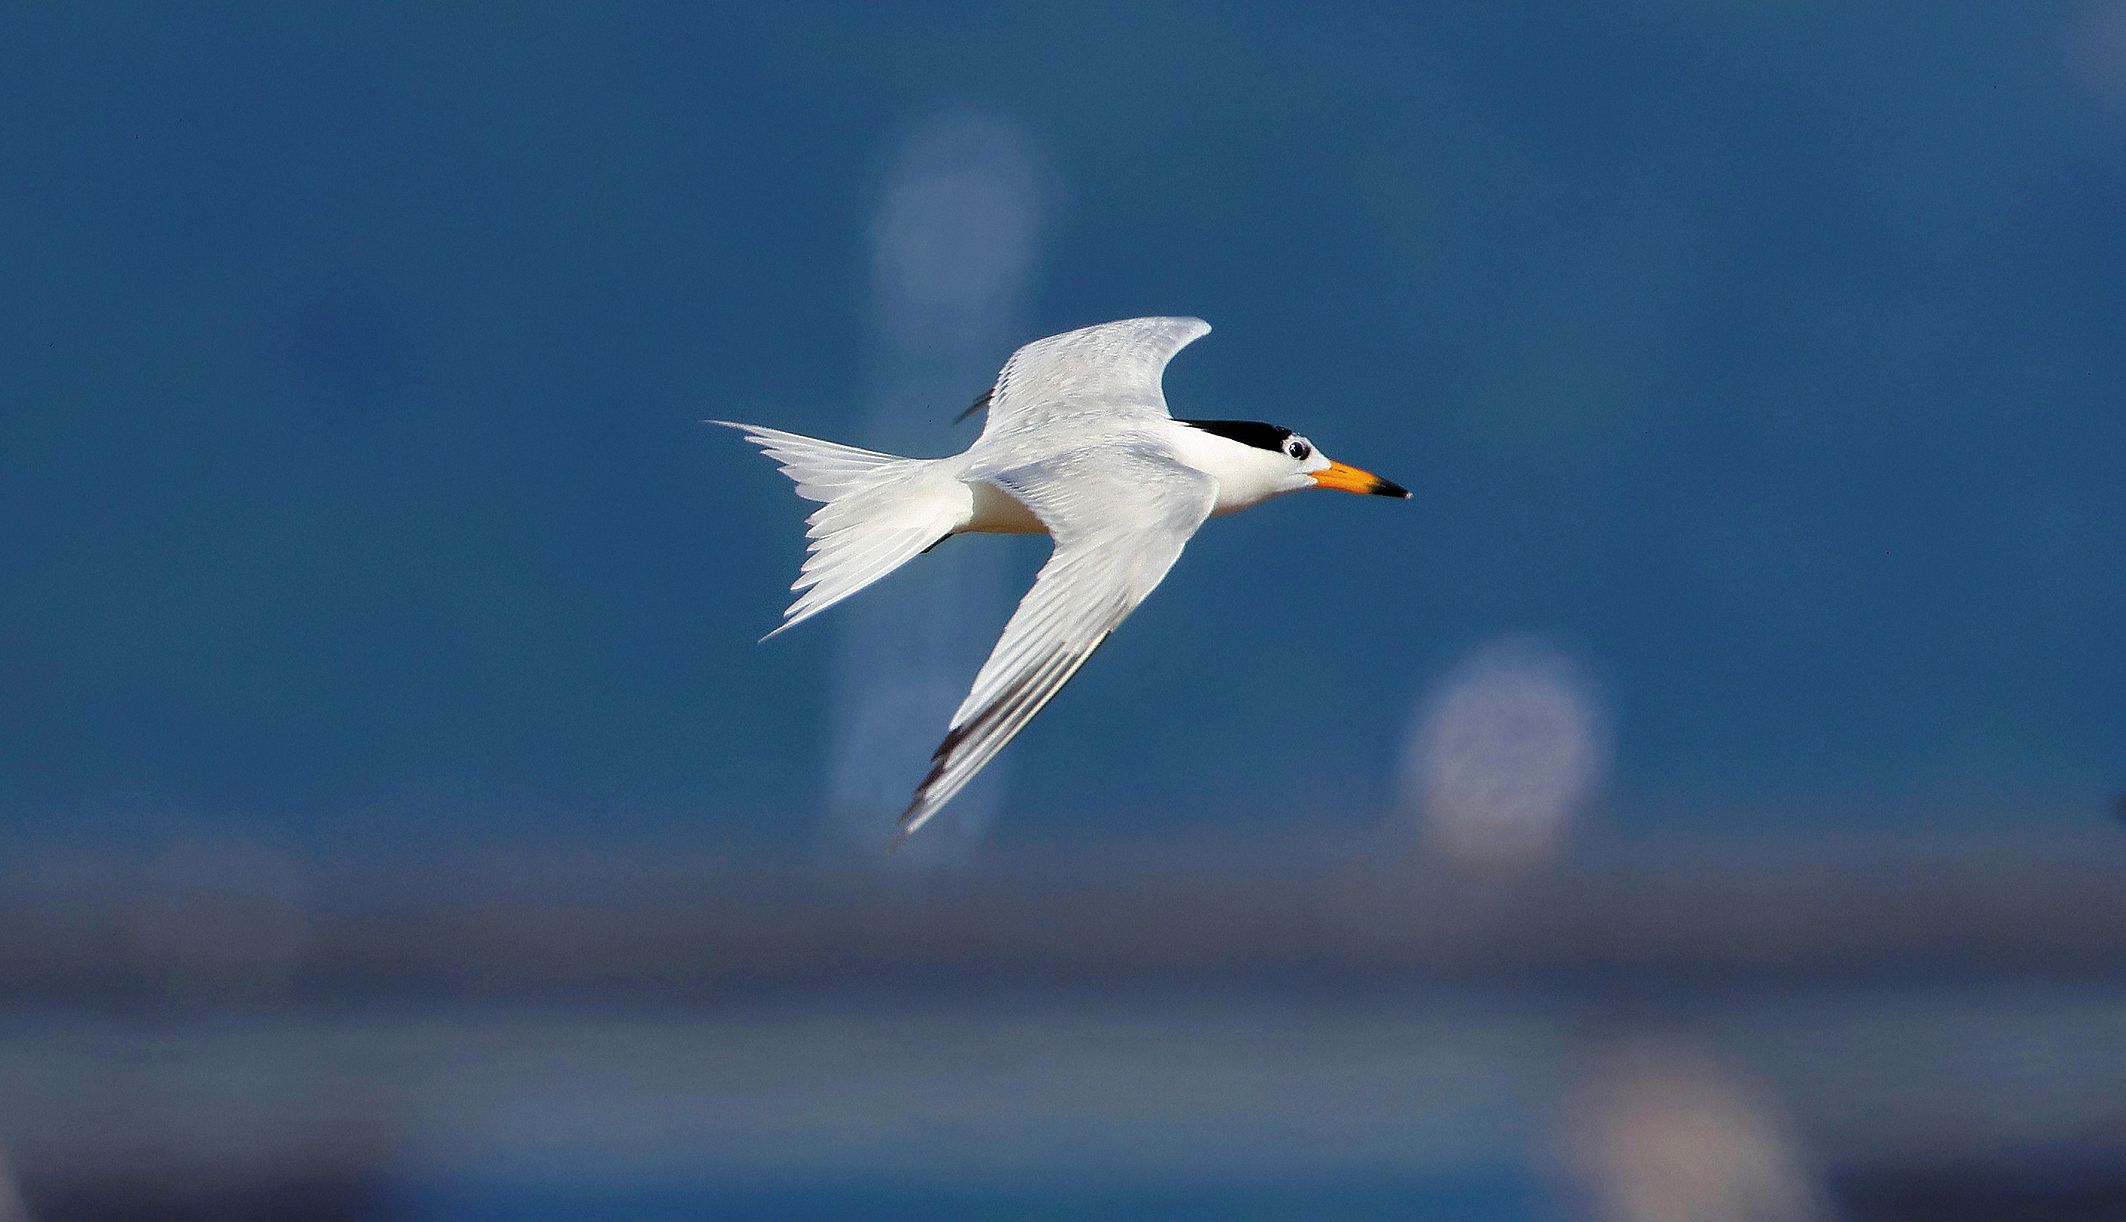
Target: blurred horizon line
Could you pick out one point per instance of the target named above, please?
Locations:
(239, 922)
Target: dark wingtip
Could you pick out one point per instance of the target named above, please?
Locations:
(976, 406)
(1381, 487)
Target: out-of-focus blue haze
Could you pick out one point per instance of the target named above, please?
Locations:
(1771, 358)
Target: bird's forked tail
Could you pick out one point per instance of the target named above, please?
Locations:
(879, 512)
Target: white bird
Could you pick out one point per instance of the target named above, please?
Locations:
(1079, 446)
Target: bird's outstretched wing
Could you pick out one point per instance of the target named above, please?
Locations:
(1120, 514)
(1105, 371)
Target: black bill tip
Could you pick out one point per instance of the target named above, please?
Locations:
(1381, 487)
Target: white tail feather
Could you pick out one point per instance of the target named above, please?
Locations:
(880, 512)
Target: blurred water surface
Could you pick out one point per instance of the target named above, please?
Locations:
(1347, 1027)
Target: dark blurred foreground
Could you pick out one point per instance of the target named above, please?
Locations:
(1293, 1029)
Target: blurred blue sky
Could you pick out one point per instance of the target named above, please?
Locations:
(1768, 358)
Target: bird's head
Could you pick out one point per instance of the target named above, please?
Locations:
(1268, 460)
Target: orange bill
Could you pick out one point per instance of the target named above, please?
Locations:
(1351, 479)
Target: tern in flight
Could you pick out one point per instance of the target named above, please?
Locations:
(1079, 446)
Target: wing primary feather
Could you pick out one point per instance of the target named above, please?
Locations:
(976, 406)
(1120, 515)
(987, 735)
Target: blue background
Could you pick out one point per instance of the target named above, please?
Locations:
(352, 479)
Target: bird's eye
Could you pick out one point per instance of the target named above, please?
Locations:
(1300, 450)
